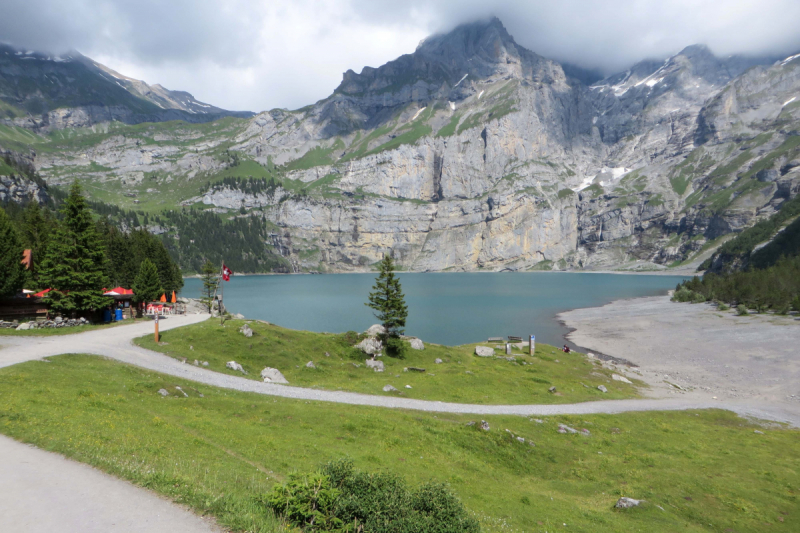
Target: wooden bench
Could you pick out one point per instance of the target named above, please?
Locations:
(512, 338)
(496, 339)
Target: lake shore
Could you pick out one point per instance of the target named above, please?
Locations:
(695, 349)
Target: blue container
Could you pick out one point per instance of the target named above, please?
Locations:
(119, 314)
(106, 316)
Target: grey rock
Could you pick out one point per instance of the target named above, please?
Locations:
(585, 431)
(196, 362)
(484, 351)
(24, 326)
(602, 388)
(437, 361)
(59, 320)
(375, 330)
(552, 389)
(246, 331)
(311, 364)
(484, 425)
(520, 439)
(623, 379)
(239, 316)
(370, 346)
(757, 432)
(627, 503)
(233, 365)
(273, 375)
(417, 344)
(538, 421)
(163, 392)
(375, 365)
(408, 386)
(204, 363)
(563, 428)
(389, 388)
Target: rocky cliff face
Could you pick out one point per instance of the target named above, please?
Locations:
(475, 153)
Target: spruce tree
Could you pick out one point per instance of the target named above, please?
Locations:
(37, 225)
(147, 286)
(389, 304)
(74, 265)
(210, 277)
(12, 272)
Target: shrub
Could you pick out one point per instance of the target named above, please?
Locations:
(396, 347)
(796, 304)
(723, 307)
(339, 498)
(741, 310)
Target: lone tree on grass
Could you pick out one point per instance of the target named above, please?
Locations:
(12, 273)
(390, 307)
(147, 286)
(210, 277)
(74, 265)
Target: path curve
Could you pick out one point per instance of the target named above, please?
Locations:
(42, 492)
(116, 343)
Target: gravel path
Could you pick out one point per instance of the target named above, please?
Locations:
(42, 492)
(116, 344)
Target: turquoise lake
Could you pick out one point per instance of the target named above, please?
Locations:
(443, 308)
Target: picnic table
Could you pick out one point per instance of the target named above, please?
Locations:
(496, 339)
(512, 338)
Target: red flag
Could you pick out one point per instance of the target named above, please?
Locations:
(226, 272)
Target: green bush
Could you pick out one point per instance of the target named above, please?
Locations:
(396, 347)
(339, 498)
(741, 310)
(723, 307)
(796, 304)
(307, 501)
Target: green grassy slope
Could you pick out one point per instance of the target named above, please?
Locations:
(218, 450)
(462, 377)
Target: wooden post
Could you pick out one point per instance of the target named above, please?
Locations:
(156, 323)
(221, 293)
(532, 344)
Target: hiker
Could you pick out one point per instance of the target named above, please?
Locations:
(565, 349)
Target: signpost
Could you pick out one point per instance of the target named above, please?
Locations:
(532, 344)
(156, 323)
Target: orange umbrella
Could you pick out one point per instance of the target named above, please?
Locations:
(163, 298)
(173, 300)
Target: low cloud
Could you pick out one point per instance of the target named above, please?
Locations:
(251, 54)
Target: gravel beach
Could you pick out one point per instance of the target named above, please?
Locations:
(707, 352)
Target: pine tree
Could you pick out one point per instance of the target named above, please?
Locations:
(12, 273)
(147, 286)
(37, 224)
(74, 265)
(389, 304)
(210, 276)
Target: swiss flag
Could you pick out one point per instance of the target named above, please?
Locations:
(226, 272)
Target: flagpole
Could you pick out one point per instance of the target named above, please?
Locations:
(221, 293)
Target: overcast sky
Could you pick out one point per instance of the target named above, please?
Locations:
(262, 54)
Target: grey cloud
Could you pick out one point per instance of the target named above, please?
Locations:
(258, 54)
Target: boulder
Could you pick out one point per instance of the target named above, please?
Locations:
(233, 365)
(417, 344)
(437, 361)
(24, 326)
(408, 386)
(552, 389)
(272, 375)
(240, 316)
(617, 377)
(58, 320)
(204, 363)
(627, 503)
(484, 425)
(484, 351)
(311, 364)
(375, 365)
(246, 331)
(389, 388)
(563, 428)
(375, 330)
(767, 175)
(163, 392)
(602, 388)
(370, 346)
